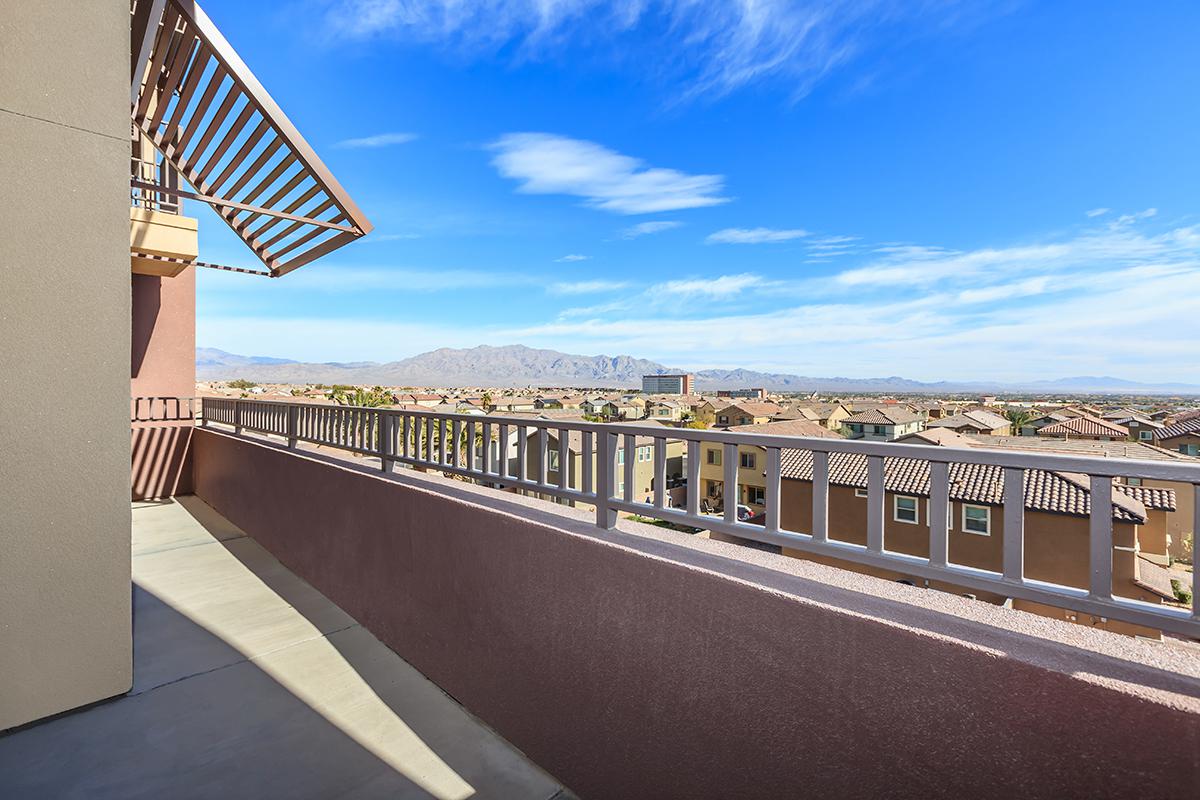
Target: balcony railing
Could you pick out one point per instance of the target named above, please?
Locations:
(455, 444)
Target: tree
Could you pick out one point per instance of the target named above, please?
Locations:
(360, 397)
(1019, 417)
(242, 383)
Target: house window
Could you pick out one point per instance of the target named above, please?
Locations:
(552, 460)
(860, 493)
(905, 509)
(1190, 449)
(1146, 436)
(756, 495)
(723, 420)
(880, 430)
(621, 456)
(714, 457)
(977, 519)
(1133, 481)
(748, 460)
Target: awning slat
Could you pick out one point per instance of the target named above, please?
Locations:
(229, 113)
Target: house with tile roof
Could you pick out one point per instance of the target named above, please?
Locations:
(746, 412)
(976, 420)
(1056, 525)
(1182, 436)
(883, 424)
(1085, 426)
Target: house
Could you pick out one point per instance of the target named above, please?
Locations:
(1141, 427)
(665, 410)
(1085, 426)
(831, 415)
(622, 410)
(976, 420)
(1160, 546)
(1183, 436)
(883, 424)
(1056, 525)
(643, 472)
(594, 406)
(752, 464)
(505, 405)
(747, 412)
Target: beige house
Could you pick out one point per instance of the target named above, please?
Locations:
(831, 415)
(1182, 436)
(977, 420)
(747, 412)
(1085, 426)
(1056, 526)
(643, 470)
(884, 424)
(665, 410)
(752, 464)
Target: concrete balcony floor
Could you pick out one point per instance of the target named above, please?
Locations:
(250, 683)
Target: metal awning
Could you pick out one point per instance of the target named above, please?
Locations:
(211, 120)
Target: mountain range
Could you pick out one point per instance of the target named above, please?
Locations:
(517, 365)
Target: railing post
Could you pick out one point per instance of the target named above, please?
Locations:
(386, 424)
(237, 417)
(606, 465)
(203, 413)
(293, 425)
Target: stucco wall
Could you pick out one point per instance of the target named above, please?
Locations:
(64, 347)
(629, 671)
(162, 368)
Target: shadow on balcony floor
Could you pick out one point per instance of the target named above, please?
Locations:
(250, 683)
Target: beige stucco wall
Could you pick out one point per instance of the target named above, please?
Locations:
(64, 354)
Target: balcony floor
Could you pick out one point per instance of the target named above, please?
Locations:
(249, 683)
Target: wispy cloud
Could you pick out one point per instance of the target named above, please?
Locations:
(709, 48)
(646, 228)
(378, 140)
(1129, 219)
(545, 163)
(721, 287)
(754, 235)
(1096, 212)
(586, 287)
(572, 257)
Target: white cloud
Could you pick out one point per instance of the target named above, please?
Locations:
(1127, 219)
(545, 163)
(721, 287)
(378, 140)
(709, 48)
(1096, 212)
(586, 287)
(754, 235)
(572, 257)
(646, 228)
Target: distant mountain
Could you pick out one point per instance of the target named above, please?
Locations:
(517, 365)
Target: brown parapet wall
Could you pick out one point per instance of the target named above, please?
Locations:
(630, 667)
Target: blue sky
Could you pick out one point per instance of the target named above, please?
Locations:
(971, 190)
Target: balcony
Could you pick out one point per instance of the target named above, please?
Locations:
(249, 683)
(285, 614)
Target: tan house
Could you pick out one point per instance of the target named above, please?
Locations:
(831, 415)
(1056, 525)
(885, 424)
(1085, 426)
(748, 412)
(665, 410)
(752, 464)
(977, 420)
(643, 470)
(1182, 436)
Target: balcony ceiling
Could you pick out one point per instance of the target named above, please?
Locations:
(210, 119)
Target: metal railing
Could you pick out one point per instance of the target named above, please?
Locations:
(482, 448)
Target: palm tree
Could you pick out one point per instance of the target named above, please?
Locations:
(1019, 417)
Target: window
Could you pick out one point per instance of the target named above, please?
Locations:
(977, 519)
(860, 493)
(1133, 481)
(880, 430)
(905, 509)
(1190, 449)
(1146, 436)
(723, 420)
(714, 457)
(756, 495)
(552, 460)
(621, 456)
(748, 460)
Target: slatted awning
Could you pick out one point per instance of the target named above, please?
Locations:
(210, 119)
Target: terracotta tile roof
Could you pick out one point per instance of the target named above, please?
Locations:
(755, 408)
(1083, 426)
(976, 418)
(1152, 497)
(1180, 428)
(885, 416)
(1052, 492)
(1087, 447)
(790, 427)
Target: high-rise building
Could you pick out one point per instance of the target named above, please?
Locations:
(667, 384)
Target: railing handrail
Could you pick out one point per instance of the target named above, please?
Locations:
(426, 438)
